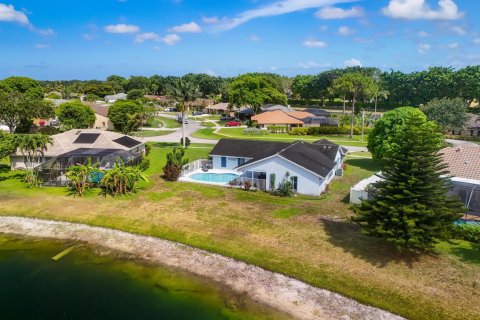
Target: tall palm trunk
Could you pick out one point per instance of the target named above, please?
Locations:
(183, 126)
(352, 118)
(376, 101)
(344, 102)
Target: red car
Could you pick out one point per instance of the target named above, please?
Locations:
(234, 123)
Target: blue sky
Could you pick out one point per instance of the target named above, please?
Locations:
(91, 39)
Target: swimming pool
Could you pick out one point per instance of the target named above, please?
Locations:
(214, 177)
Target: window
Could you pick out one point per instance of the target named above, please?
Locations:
(224, 162)
(272, 181)
(294, 182)
(241, 161)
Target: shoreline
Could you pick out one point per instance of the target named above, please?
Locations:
(278, 291)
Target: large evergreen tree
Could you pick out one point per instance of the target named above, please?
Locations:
(411, 208)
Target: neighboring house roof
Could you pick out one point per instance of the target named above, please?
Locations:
(473, 121)
(118, 96)
(462, 161)
(272, 107)
(219, 106)
(300, 114)
(317, 112)
(325, 142)
(88, 138)
(159, 98)
(247, 111)
(321, 120)
(99, 109)
(317, 158)
(276, 117)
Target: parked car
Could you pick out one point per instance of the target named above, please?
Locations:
(179, 118)
(233, 123)
(197, 113)
(227, 118)
(170, 109)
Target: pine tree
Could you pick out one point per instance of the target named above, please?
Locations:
(411, 207)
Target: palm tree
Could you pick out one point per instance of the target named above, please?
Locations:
(174, 165)
(33, 146)
(184, 91)
(121, 179)
(377, 88)
(81, 176)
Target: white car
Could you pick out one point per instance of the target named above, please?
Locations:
(4, 128)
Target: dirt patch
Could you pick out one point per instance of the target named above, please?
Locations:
(278, 291)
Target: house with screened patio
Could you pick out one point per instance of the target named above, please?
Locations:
(265, 164)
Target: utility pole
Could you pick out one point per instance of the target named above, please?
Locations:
(183, 125)
(363, 122)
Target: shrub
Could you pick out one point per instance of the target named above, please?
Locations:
(333, 130)
(53, 95)
(175, 162)
(144, 164)
(255, 132)
(468, 232)
(32, 179)
(299, 131)
(49, 131)
(278, 129)
(187, 141)
(285, 188)
(148, 148)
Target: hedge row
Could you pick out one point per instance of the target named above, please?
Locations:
(468, 232)
(255, 132)
(344, 130)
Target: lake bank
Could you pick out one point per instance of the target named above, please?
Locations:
(275, 290)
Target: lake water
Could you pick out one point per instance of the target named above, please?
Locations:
(94, 283)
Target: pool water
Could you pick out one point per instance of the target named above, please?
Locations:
(214, 177)
(95, 283)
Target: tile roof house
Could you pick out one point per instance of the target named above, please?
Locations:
(102, 121)
(310, 166)
(472, 128)
(281, 118)
(80, 142)
(462, 161)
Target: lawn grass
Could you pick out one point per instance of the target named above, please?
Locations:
(208, 124)
(236, 133)
(167, 122)
(309, 238)
(151, 133)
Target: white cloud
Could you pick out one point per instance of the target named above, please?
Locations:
(453, 45)
(42, 46)
(122, 28)
(423, 34)
(419, 9)
(352, 63)
(9, 14)
(43, 32)
(312, 65)
(275, 9)
(338, 13)
(476, 41)
(171, 39)
(458, 30)
(254, 38)
(187, 27)
(346, 31)
(210, 20)
(312, 43)
(423, 48)
(147, 36)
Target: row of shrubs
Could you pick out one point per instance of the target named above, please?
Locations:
(467, 232)
(327, 130)
(255, 132)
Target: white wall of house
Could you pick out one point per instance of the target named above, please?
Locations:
(308, 182)
(102, 122)
(18, 162)
(231, 162)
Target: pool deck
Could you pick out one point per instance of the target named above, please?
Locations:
(187, 178)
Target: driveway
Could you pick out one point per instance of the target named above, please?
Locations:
(457, 143)
(176, 135)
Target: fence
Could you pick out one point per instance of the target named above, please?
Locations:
(260, 184)
(203, 164)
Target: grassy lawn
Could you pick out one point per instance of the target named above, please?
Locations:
(236, 133)
(308, 238)
(165, 122)
(202, 118)
(208, 124)
(151, 133)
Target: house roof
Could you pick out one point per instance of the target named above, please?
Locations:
(276, 117)
(99, 109)
(300, 114)
(89, 139)
(473, 121)
(317, 112)
(325, 142)
(118, 96)
(272, 107)
(219, 106)
(317, 158)
(462, 161)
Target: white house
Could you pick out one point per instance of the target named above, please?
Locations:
(310, 166)
(113, 98)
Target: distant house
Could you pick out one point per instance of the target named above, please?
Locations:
(318, 112)
(77, 145)
(273, 107)
(310, 166)
(102, 120)
(472, 128)
(113, 98)
(320, 121)
(219, 108)
(290, 119)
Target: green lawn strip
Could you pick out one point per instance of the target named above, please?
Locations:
(236, 133)
(151, 133)
(168, 122)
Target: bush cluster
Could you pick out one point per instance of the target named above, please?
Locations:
(327, 130)
(278, 129)
(468, 232)
(255, 132)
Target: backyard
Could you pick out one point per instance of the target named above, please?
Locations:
(309, 238)
(236, 133)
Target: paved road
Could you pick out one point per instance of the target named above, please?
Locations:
(193, 126)
(457, 143)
